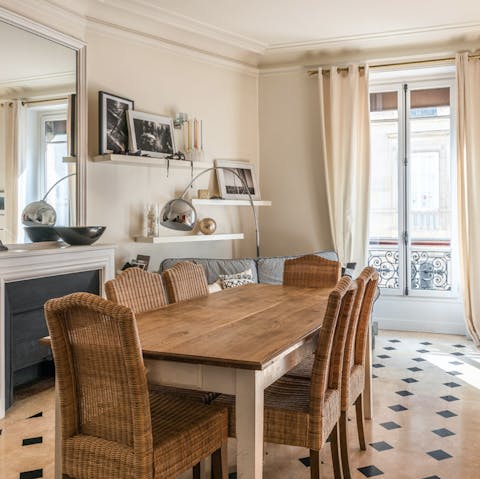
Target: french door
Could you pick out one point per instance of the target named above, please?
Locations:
(412, 213)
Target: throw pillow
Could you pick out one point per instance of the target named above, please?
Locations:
(215, 287)
(236, 282)
(237, 279)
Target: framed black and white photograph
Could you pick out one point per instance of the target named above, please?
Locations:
(112, 121)
(231, 186)
(151, 135)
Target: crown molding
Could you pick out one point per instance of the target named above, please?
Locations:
(267, 72)
(143, 21)
(37, 16)
(368, 48)
(58, 76)
(112, 30)
(163, 16)
(336, 42)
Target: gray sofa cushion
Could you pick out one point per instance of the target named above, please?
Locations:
(215, 267)
(270, 269)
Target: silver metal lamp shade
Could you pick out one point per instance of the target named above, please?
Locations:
(39, 213)
(178, 214)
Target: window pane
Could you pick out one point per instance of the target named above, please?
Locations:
(55, 168)
(384, 247)
(430, 199)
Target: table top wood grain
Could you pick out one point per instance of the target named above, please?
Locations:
(244, 327)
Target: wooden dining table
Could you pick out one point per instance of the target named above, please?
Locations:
(237, 341)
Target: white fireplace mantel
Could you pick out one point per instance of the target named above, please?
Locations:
(23, 262)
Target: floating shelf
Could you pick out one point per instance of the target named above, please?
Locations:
(197, 201)
(69, 159)
(188, 238)
(149, 161)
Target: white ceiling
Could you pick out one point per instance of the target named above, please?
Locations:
(288, 23)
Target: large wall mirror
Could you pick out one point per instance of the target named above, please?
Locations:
(42, 133)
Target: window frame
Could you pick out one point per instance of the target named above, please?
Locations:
(394, 81)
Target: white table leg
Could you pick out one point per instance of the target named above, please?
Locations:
(249, 424)
(58, 435)
(367, 393)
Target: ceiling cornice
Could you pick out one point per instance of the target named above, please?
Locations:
(144, 21)
(57, 76)
(336, 42)
(162, 16)
(119, 31)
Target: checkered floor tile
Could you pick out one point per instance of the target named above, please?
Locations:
(426, 420)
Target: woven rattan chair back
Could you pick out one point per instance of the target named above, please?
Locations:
(101, 380)
(349, 350)
(137, 289)
(185, 280)
(311, 271)
(370, 277)
(329, 352)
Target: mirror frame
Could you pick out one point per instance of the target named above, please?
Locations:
(80, 47)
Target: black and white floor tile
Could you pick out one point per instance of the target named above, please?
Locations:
(426, 421)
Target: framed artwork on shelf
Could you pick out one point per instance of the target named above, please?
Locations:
(230, 185)
(150, 135)
(112, 122)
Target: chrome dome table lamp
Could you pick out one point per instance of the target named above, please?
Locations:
(41, 213)
(180, 214)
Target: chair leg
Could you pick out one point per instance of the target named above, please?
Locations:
(334, 445)
(360, 422)
(220, 463)
(344, 445)
(196, 471)
(314, 464)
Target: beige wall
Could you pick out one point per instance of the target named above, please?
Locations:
(292, 169)
(165, 82)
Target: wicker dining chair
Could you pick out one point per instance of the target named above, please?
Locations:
(142, 291)
(311, 271)
(112, 426)
(185, 280)
(137, 289)
(353, 378)
(303, 413)
(355, 363)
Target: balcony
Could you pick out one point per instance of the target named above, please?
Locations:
(430, 264)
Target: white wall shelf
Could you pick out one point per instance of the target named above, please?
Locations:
(149, 161)
(200, 202)
(188, 238)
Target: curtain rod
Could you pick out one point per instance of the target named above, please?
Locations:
(312, 72)
(32, 102)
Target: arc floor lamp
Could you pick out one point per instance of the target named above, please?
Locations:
(180, 214)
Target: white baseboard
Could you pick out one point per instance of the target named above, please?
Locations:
(423, 326)
(423, 314)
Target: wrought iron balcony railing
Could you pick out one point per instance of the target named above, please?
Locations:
(430, 264)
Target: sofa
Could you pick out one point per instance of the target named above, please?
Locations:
(266, 269)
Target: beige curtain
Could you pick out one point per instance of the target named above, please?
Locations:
(14, 167)
(345, 141)
(468, 174)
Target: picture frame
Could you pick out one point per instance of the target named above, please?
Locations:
(113, 123)
(150, 135)
(230, 186)
(72, 114)
(142, 261)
